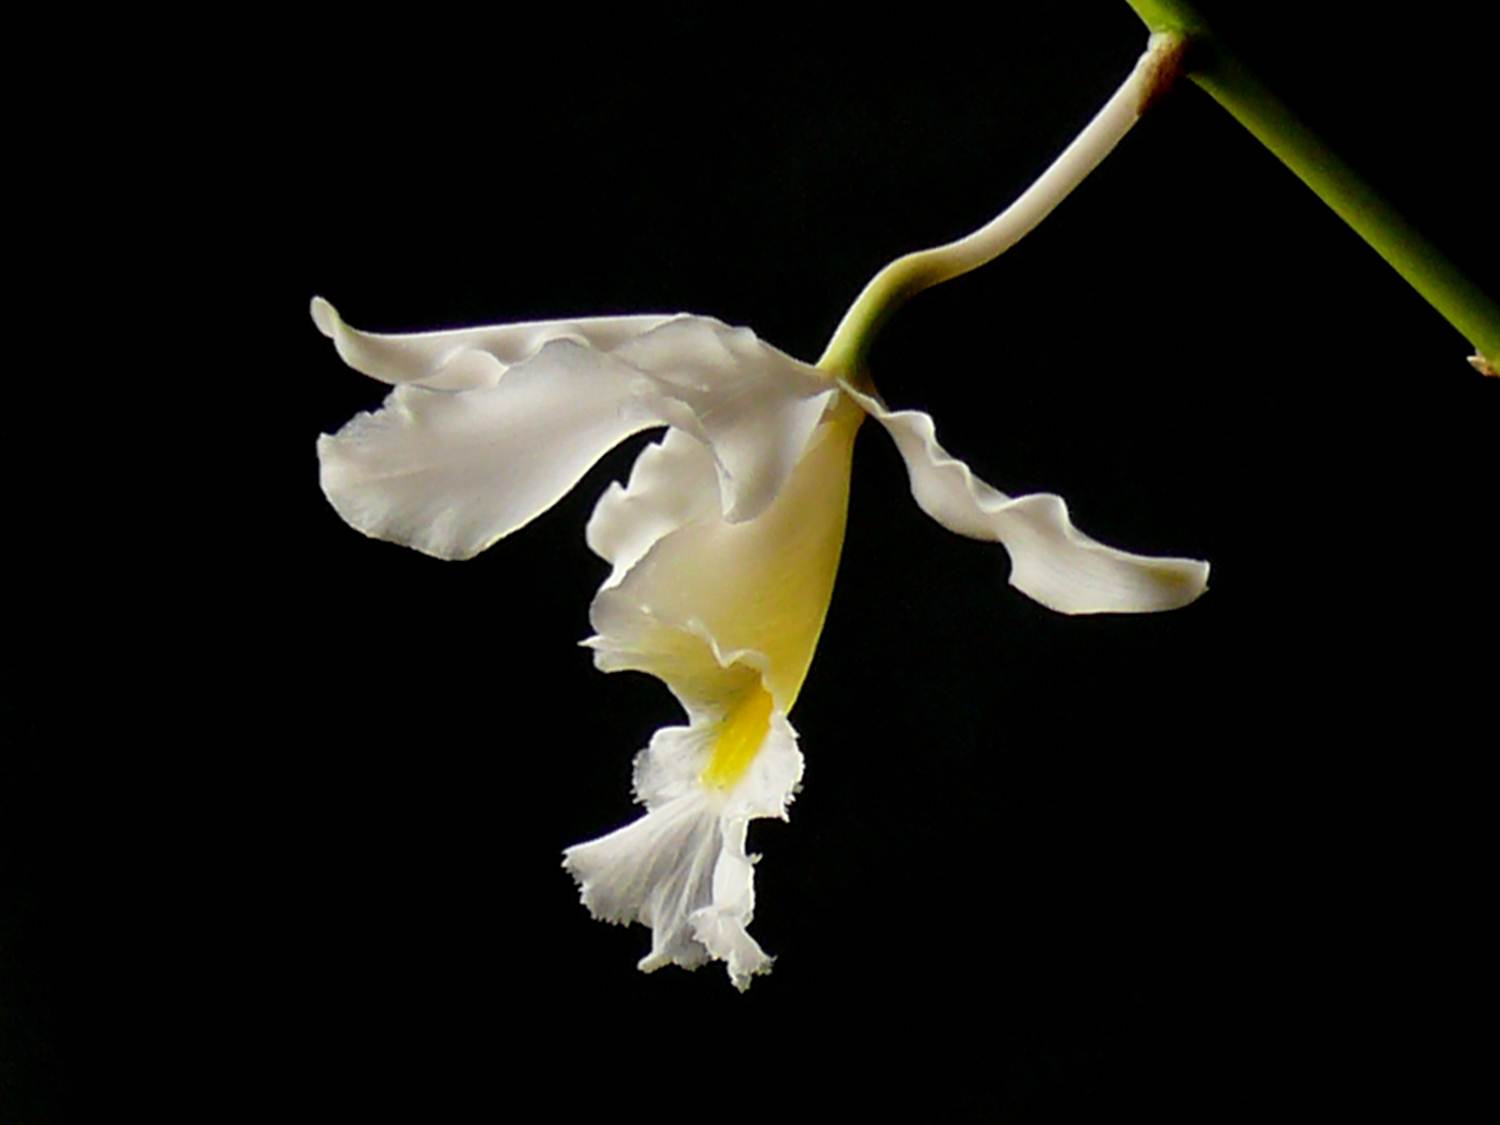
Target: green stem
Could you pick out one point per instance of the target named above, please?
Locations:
(1235, 87)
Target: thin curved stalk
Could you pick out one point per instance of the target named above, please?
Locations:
(912, 273)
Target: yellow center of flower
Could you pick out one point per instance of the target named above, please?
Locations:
(740, 738)
(758, 591)
(781, 568)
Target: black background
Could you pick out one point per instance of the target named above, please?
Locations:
(285, 818)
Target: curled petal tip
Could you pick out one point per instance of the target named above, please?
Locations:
(325, 316)
(1180, 582)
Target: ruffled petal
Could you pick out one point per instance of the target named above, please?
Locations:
(682, 869)
(490, 427)
(1051, 560)
(672, 483)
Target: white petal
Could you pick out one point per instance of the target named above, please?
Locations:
(466, 358)
(672, 483)
(720, 926)
(1051, 560)
(682, 869)
(451, 471)
(657, 871)
(755, 406)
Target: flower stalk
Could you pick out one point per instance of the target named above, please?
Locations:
(1234, 85)
(910, 274)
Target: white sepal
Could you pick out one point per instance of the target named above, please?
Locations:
(1051, 560)
(466, 358)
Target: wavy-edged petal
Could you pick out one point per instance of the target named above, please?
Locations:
(450, 471)
(672, 483)
(682, 869)
(1051, 560)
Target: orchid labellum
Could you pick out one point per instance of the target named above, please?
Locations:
(724, 542)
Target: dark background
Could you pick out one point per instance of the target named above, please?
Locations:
(284, 821)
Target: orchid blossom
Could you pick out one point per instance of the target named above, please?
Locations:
(724, 543)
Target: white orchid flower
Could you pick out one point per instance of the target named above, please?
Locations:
(723, 545)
